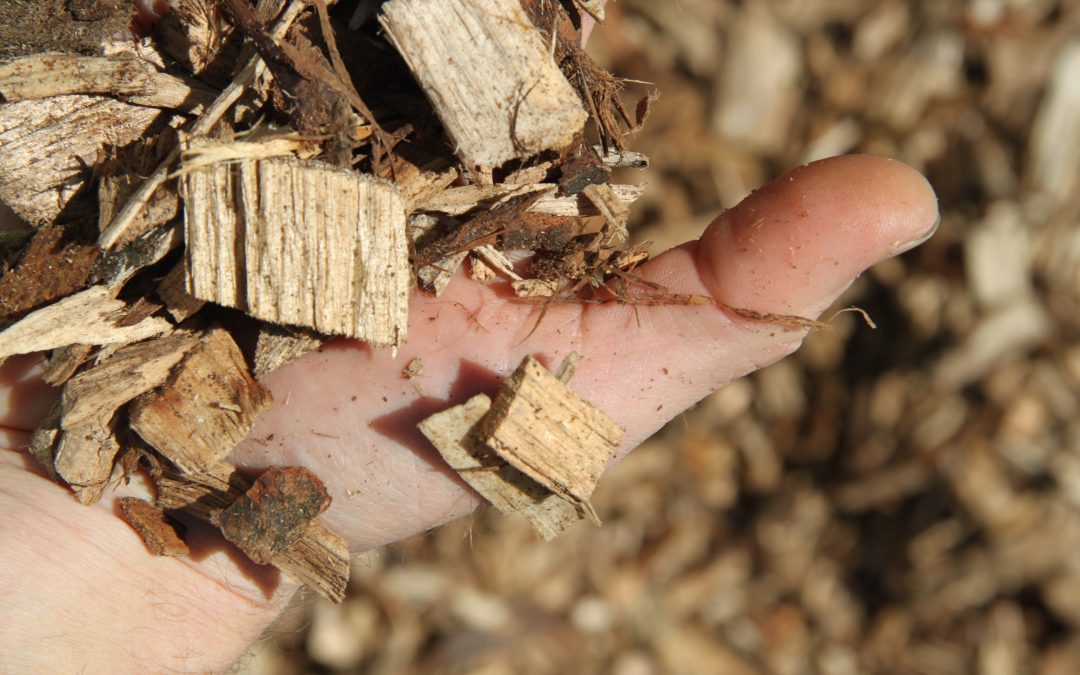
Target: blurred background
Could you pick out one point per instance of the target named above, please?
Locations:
(900, 500)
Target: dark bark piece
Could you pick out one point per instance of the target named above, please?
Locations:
(159, 535)
(275, 512)
(68, 26)
(55, 264)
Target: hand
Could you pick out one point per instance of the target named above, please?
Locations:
(347, 413)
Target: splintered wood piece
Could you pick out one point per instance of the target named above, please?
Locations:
(193, 33)
(549, 433)
(264, 237)
(594, 8)
(435, 276)
(63, 363)
(497, 261)
(506, 488)
(319, 559)
(87, 317)
(459, 200)
(95, 394)
(535, 288)
(45, 75)
(489, 75)
(627, 159)
(415, 368)
(274, 513)
(45, 439)
(84, 458)
(153, 528)
(207, 406)
(277, 345)
(172, 290)
(47, 144)
(613, 209)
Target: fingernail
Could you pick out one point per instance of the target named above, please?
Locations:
(921, 239)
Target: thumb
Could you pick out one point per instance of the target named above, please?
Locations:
(790, 248)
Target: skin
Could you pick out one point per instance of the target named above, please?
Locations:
(80, 592)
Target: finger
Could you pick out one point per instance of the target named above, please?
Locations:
(347, 413)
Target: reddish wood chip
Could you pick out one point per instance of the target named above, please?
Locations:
(275, 512)
(150, 523)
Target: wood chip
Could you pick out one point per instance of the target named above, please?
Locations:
(489, 75)
(63, 363)
(274, 513)
(319, 559)
(46, 146)
(45, 75)
(45, 439)
(262, 236)
(208, 405)
(460, 200)
(85, 454)
(613, 209)
(172, 290)
(536, 288)
(97, 392)
(540, 427)
(56, 263)
(414, 369)
(153, 528)
(277, 345)
(506, 488)
(87, 317)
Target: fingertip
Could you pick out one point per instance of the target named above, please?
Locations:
(794, 245)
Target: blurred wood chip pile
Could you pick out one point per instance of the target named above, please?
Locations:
(905, 500)
(307, 169)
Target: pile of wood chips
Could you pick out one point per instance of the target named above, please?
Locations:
(288, 173)
(905, 500)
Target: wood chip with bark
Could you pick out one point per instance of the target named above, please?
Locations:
(153, 528)
(263, 236)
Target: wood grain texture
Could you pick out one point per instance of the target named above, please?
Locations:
(506, 488)
(208, 405)
(489, 75)
(87, 317)
(549, 433)
(46, 146)
(300, 243)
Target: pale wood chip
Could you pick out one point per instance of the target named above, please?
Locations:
(614, 211)
(277, 345)
(535, 288)
(87, 317)
(550, 434)
(47, 144)
(489, 75)
(262, 236)
(506, 488)
(459, 200)
(320, 560)
(45, 75)
(84, 458)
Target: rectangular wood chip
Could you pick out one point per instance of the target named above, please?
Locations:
(266, 237)
(549, 433)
